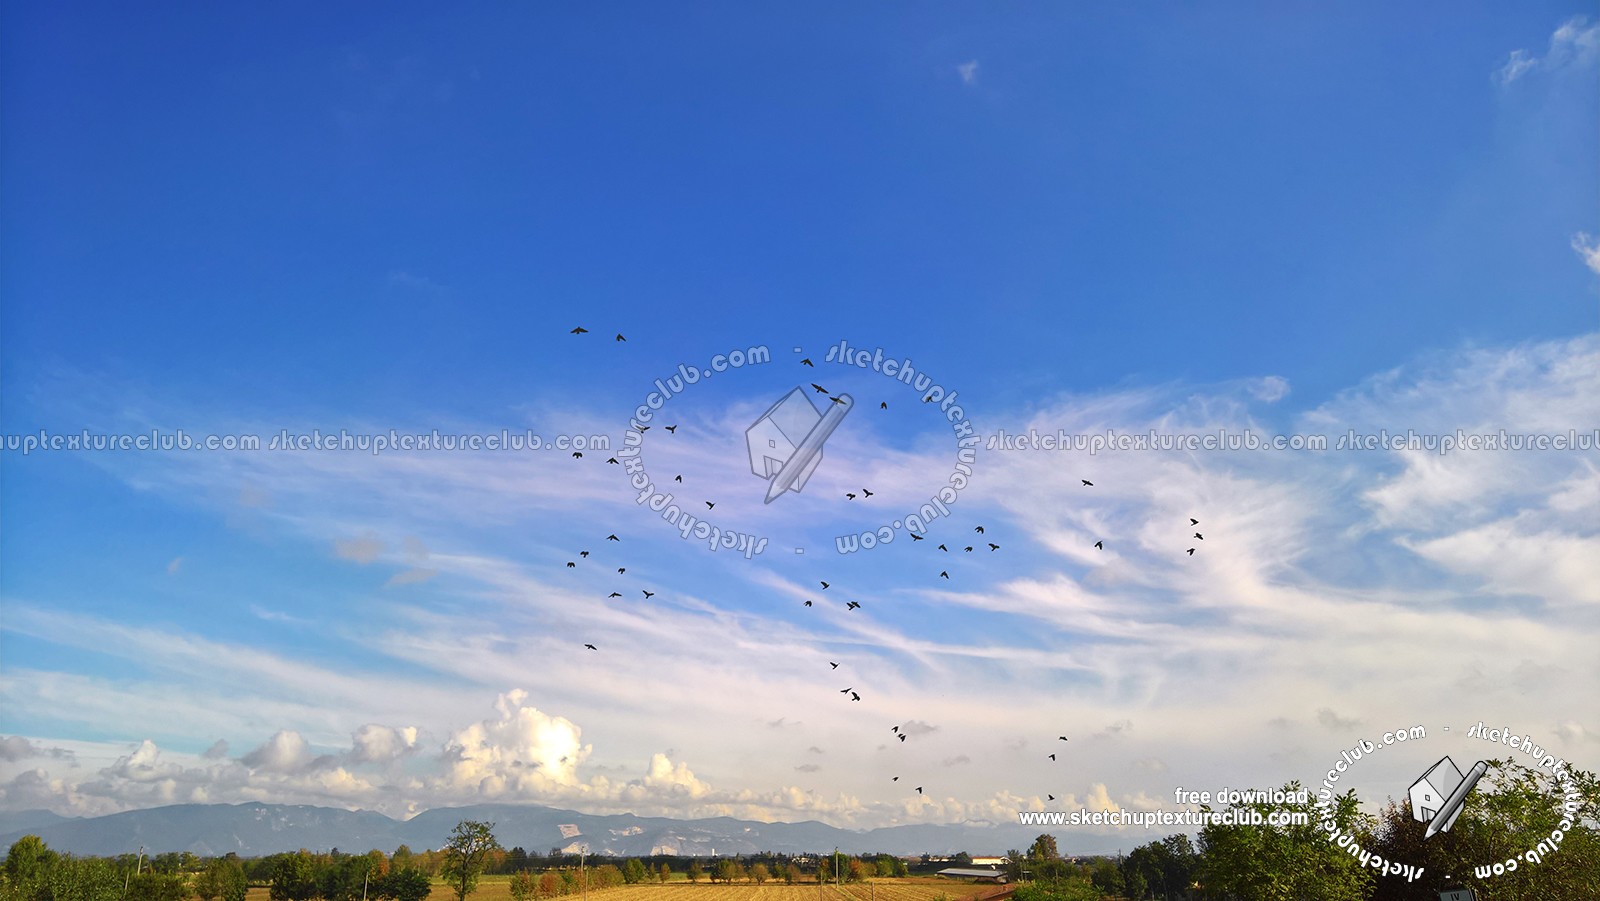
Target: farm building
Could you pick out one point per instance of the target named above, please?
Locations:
(974, 873)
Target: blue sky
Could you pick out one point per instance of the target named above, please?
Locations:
(1292, 219)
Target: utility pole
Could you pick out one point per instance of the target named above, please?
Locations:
(582, 876)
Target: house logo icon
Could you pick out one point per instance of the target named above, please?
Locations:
(1439, 794)
(785, 442)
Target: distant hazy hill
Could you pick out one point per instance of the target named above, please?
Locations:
(257, 829)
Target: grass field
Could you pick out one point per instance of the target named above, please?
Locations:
(498, 888)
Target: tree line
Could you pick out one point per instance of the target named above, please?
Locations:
(1512, 810)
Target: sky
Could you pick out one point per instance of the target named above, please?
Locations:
(1154, 221)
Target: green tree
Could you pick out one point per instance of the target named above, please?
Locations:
(791, 874)
(221, 879)
(465, 854)
(664, 873)
(759, 873)
(27, 868)
(408, 884)
(1513, 808)
(695, 871)
(523, 886)
(634, 871)
(149, 886)
(723, 871)
(1073, 887)
(1270, 862)
(294, 877)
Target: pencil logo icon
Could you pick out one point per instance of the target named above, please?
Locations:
(785, 443)
(1439, 794)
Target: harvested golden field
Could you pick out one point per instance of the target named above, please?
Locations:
(498, 888)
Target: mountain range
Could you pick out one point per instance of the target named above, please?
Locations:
(256, 829)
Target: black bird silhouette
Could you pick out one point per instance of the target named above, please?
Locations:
(710, 506)
(622, 569)
(1087, 483)
(579, 330)
(919, 789)
(819, 388)
(978, 529)
(917, 538)
(1099, 545)
(1193, 521)
(807, 362)
(824, 585)
(677, 478)
(943, 548)
(884, 405)
(613, 461)
(614, 594)
(1199, 536)
(648, 594)
(570, 564)
(1062, 737)
(968, 548)
(808, 603)
(837, 400)
(583, 553)
(845, 691)
(852, 606)
(928, 399)
(1050, 796)
(1191, 552)
(832, 664)
(673, 429)
(591, 647)
(576, 455)
(1052, 757)
(895, 779)
(894, 728)
(993, 546)
(644, 428)
(620, 338)
(612, 538)
(902, 736)
(854, 696)
(944, 574)
(866, 492)
(849, 495)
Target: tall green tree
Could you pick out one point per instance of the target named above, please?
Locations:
(1512, 809)
(294, 877)
(466, 853)
(221, 880)
(1270, 862)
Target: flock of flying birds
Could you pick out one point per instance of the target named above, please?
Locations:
(849, 605)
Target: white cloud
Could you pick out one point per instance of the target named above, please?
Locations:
(1589, 249)
(968, 71)
(1576, 44)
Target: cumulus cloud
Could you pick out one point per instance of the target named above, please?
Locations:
(522, 752)
(217, 751)
(373, 743)
(285, 752)
(15, 747)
